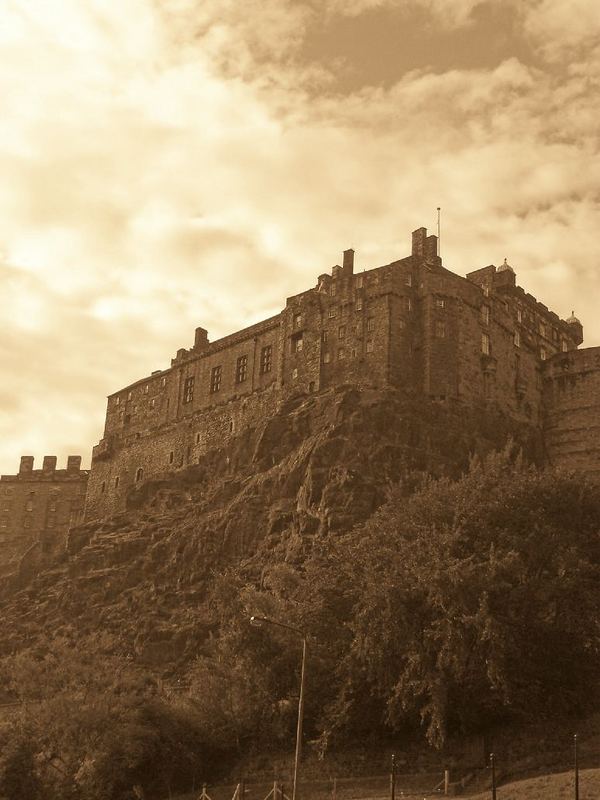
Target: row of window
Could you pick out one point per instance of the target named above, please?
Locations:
(486, 345)
(241, 373)
(342, 353)
(29, 506)
(26, 523)
(359, 281)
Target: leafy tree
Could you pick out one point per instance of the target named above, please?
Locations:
(478, 597)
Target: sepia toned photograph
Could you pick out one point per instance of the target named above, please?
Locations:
(300, 399)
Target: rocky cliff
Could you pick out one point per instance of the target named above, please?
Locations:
(321, 465)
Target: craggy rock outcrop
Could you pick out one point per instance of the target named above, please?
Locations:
(320, 466)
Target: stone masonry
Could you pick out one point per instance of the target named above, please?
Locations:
(38, 506)
(411, 324)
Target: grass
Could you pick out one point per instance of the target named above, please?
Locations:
(548, 787)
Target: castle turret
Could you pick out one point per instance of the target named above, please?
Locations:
(576, 328)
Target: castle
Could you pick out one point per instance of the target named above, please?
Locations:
(411, 324)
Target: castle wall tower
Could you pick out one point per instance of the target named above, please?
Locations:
(572, 410)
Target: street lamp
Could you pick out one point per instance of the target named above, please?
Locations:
(258, 622)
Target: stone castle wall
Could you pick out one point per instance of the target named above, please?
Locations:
(39, 506)
(572, 404)
(411, 324)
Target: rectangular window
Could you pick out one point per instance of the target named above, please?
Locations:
(359, 281)
(485, 344)
(563, 346)
(440, 330)
(297, 343)
(332, 312)
(408, 280)
(353, 352)
(440, 302)
(371, 324)
(326, 358)
(485, 315)
(295, 373)
(215, 379)
(358, 304)
(408, 304)
(517, 339)
(543, 330)
(266, 359)
(543, 354)
(486, 291)
(241, 370)
(188, 389)
(341, 354)
(519, 315)
(325, 336)
(4, 522)
(370, 346)
(29, 505)
(332, 289)
(117, 401)
(342, 332)
(146, 388)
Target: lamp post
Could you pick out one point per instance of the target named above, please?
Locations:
(258, 622)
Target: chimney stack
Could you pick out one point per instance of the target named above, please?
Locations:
(418, 242)
(201, 339)
(348, 261)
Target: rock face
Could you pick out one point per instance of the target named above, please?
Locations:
(320, 466)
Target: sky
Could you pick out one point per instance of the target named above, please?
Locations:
(166, 164)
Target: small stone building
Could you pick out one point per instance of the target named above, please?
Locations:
(39, 506)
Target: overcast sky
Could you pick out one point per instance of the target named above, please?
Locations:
(172, 163)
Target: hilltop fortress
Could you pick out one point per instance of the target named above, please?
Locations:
(411, 324)
(479, 342)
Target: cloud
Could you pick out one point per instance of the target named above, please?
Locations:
(175, 164)
(562, 30)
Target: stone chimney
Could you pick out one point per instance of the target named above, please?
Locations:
(348, 262)
(26, 465)
(73, 464)
(431, 249)
(201, 339)
(418, 242)
(49, 465)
